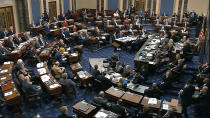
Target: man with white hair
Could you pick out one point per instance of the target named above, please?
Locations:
(202, 101)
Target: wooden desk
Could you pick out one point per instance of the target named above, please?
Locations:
(132, 98)
(79, 112)
(74, 57)
(114, 94)
(92, 40)
(78, 48)
(144, 103)
(84, 77)
(167, 106)
(104, 113)
(99, 23)
(12, 97)
(71, 21)
(110, 28)
(55, 32)
(8, 86)
(90, 19)
(75, 67)
(45, 54)
(51, 85)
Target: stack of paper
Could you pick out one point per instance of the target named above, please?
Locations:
(39, 65)
(101, 115)
(45, 78)
(8, 62)
(74, 54)
(3, 78)
(8, 93)
(4, 71)
(152, 101)
(54, 86)
(42, 71)
(165, 106)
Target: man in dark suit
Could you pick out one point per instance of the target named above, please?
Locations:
(137, 78)
(95, 72)
(10, 43)
(4, 54)
(119, 109)
(153, 92)
(186, 96)
(47, 29)
(28, 87)
(3, 33)
(100, 100)
(11, 31)
(202, 101)
(120, 35)
(42, 42)
(167, 80)
(70, 86)
(16, 39)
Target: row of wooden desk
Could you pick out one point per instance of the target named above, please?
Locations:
(115, 94)
(48, 81)
(8, 88)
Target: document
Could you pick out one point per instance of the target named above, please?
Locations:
(152, 101)
(54, 86)
(8, 93)
(39, 65)
(165, 106)
(101, 115)
(45, 78)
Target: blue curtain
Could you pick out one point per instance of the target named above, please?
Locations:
(66, 5)
(167, 7)
(35, 4)
(113, 4)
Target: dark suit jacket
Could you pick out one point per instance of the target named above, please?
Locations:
(3, 35)
(138, 78)
(64, 116)
(10, 32)
(96, 73)
(29, 88)
(11, 44)
(118, 110)
(186, 95)
(17, 41)
(100, 101)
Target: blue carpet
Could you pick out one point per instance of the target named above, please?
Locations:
(51, 111)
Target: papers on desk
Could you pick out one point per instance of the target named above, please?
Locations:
(3, 78)
(81, 74)
(74, 54)
(149, 55)
(151, 62)
(39, 65)
(117, 75)
(165, 106)
(45, 78)
(4, 71)
(8, 62)
(152, 101)
(54, 86)
(42, 71)
(101, 115)
(8, 93)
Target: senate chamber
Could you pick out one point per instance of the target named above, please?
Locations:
(104, 58)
